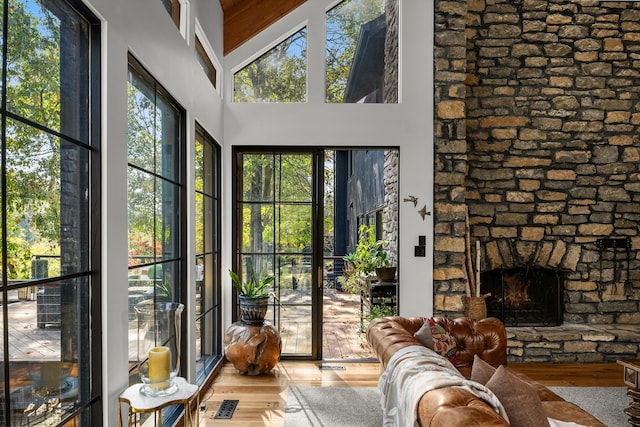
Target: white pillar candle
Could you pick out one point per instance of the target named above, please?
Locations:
(159, 364)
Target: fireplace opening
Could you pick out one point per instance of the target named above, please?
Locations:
(524, 296)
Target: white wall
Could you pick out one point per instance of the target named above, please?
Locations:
(408, 125)
(144, 28)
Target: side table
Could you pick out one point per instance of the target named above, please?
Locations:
(253, 349)
(631, 379)
(141, 404)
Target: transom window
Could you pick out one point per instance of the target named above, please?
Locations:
(279, 75)
(205, 62)
(359, 49)
(173, 9)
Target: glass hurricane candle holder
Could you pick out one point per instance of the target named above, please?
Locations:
(158, 374)
(159, 328)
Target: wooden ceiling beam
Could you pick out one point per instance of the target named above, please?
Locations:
(244, 19)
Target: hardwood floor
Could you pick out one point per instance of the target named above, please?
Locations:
(573, 375)
(262, 399)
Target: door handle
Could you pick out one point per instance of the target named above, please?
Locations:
(319, 277)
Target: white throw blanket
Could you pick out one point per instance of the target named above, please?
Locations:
(415, 370)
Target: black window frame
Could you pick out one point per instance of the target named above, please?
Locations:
(215, 310)
(90, 411)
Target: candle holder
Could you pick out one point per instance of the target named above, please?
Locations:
(159, 326)
(158, 375)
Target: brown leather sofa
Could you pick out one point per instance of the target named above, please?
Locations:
(450, 407)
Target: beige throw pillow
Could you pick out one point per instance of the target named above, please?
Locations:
(481, 371)
(520, 400)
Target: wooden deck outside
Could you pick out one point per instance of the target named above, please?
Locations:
(341, 336)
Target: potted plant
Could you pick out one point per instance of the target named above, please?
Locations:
(360, 265)
(254, 297)
(370, 256)
(384, 271)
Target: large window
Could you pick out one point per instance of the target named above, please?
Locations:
(156, 214)
(361, 52)
(208, 277)
(279, 75)
(50, 216)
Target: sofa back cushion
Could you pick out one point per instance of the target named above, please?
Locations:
(487, 338)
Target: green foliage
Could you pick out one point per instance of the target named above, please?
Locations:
(343, 29)
(141, 152)
(33, 155)
(163, 289)
(155, 272)
(279, 75)
(253, 288)
(381, 310)
(276, 195)
(369, 255)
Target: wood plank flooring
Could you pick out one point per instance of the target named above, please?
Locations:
(262, 399)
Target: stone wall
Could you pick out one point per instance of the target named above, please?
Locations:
(391, 58)
(391, 208)
(545, 150)
(450, 152)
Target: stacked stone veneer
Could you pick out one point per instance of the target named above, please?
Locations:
(391, 208)
(391, 59)
(573, 343)
(537, 134)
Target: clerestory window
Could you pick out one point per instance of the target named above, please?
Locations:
(204, 59)
(173, 9)
(362, 52)
(279, 75)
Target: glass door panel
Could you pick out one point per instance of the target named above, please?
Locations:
(277, 235)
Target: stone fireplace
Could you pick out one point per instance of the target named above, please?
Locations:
(537, 154)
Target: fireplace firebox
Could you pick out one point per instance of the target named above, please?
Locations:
(524, 296)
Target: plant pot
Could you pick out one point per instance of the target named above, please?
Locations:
(253, 310)
(386, 274)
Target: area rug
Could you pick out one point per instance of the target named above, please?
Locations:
(360, 406)
(333, 407)
(605, 403)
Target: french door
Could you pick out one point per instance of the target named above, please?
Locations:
(278, 231)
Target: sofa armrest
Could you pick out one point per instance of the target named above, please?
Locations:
(387, 335)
